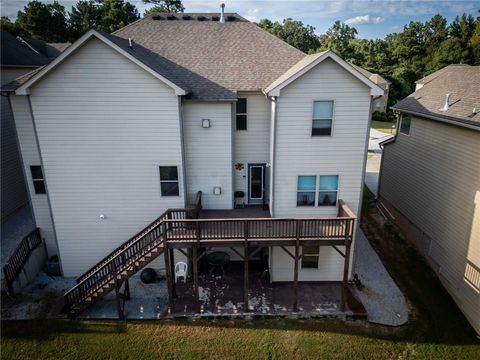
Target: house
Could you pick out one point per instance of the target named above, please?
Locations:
(123, 127)
(430, 179)
(380, 103)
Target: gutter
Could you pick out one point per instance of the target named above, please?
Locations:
(273, 118)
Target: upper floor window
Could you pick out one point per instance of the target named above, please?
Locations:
(169, 180)
(322, 118)
(241, 114)
(405, 123)
(306, 190)
(38, 180)
(328, 189)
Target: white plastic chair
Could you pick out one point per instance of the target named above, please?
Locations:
(181, 271)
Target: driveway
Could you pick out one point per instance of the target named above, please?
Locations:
(372, 172)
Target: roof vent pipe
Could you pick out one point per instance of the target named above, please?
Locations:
(130, 43)
(222, 14)
(446, 106)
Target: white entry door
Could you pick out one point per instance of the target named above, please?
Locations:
(256, 175)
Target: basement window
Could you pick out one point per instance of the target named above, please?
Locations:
(169, 181)
(322, 118)
(241, 114)
(38, 180)
(310, 256)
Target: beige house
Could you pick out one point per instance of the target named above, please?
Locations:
(380, 103)
(430, 179)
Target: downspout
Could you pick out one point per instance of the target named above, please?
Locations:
(273, 120)
(182, 146)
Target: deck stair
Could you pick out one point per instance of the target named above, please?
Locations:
(113, 272)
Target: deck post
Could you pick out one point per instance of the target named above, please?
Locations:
(171, 303)
(346, 265)
(117, 291)
(295, 269)
(127, 290)
(172, 271)
(195, 279)
(245, 262)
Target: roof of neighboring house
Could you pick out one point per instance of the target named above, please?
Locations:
(18, 52)
(462, 82)
(377, 79)
(202, 57)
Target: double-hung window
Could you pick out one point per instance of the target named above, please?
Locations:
(241, 114)
(405, 123)
(306, 190)
(322, 118)
(310, 255)
(328, 190)
(169, 180)
(38, 180)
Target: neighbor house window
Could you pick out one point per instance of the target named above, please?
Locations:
(310, 255)
(322, 118)
(306, 190)
(169, 180)
(241, 114)
(328, 189)
(405, 124)
(38, 180)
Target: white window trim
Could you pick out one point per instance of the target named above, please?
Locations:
(168, 181)
(400, 126)
(317, 191)
(246, 115)
(312, 118)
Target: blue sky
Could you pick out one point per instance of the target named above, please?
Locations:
(372, 18)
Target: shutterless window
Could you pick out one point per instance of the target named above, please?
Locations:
(306, 190)
(310, 255)
(241, 112)
(405, 124)
(328, 190)
(322, 118)
(169, 180)
(38, 180)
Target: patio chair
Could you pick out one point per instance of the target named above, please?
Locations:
(181, 271)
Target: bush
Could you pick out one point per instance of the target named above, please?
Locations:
(388, 116)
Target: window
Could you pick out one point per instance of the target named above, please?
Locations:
(38, 180)
(322, 118)
(328, 189)
(310, 255)
(169, 180)
(405, 124)
(241, 114)
(306, 190)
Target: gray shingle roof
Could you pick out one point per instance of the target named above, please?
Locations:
(462, 82)
(17, 53)
(211, 59)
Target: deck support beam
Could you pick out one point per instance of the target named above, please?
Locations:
(171, 303)
(172, 271)
(195, 279)
(126, 287)
(346, 267)
(245, 262)
(295, 269)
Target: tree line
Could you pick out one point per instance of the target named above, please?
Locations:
(404, 57)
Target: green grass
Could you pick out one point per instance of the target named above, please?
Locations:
(383, 126)
(436, 328)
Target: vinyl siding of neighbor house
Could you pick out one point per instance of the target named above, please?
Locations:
(104, 126)
(13, 188)
(299, 153)
(30, 157)
(208, 152)
(252, 146)
(432, 177)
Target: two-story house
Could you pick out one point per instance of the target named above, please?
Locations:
(122, 127)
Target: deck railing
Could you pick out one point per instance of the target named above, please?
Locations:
(20, 256)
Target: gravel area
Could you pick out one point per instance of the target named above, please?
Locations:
(381, 297)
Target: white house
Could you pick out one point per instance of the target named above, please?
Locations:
(121, 127)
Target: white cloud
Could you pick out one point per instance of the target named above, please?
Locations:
(363, 20)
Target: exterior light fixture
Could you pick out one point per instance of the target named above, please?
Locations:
(205, 123)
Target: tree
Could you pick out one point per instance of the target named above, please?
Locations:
(435, 31)
(462, 28)
(12, 28)
(85, 15)
(164, 6)
(43, 21)
(115, 14)
(339, 38)
(293, 32)
(450, 51)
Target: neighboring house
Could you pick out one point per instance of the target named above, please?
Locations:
(430, 179)
(381, 103)
(19, 56)
(121, 127)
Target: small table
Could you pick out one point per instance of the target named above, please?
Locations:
(218, 259)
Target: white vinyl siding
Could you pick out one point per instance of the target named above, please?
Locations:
(252, 146)
(209, 152)
(442, 200)
(30, 156)
(105, 126)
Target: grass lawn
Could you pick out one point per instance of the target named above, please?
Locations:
(383, 126)
(436, 329)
